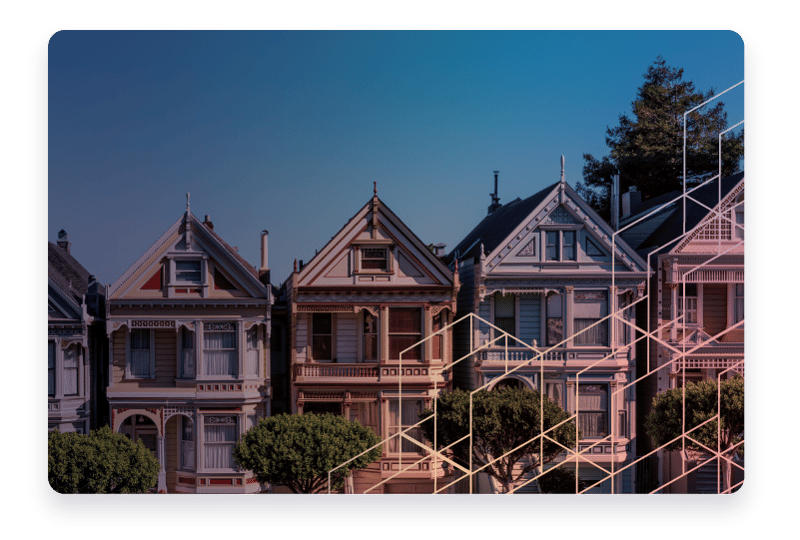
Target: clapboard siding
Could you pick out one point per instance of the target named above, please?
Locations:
(346, 337)
(715, 304)
(483, 329)
(166, 343)
(530, 318)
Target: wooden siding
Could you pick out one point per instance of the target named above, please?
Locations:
(166, 354)
(118, 346)
(483, 330)
(715, 305)
(530, 318)
(346, 337)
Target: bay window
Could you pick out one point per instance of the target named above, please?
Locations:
(589, 307)
(400, 421)
(251, 351)
(71, 367)
(220, 435)
(505, 314)
(187, 443)
(687, 303)
(555, 320)
(187, 355)
(51, 368)
(593, 410)
(141, 357)
(405, 329)
(369, 336)
(219, 349)
(322, 336)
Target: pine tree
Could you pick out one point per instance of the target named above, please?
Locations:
(647, 148)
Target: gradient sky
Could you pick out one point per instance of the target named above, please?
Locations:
(286, 131)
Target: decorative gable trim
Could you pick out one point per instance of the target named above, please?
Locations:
(724, 205)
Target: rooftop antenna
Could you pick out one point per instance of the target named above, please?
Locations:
(495, 199)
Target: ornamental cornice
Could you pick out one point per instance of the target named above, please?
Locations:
(372, 310)
(335, 300)
(538, 283)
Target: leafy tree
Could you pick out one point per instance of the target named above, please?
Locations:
(101, 462)
(502, 420)
(664, 423)
(647, 148)
(560, 480)
(298, 450)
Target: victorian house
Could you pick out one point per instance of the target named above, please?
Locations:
(76, 345)
(189, 330)
(697, 304)
(559, 297)
(358, 311)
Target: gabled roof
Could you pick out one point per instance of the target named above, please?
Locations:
(497, 226)
(66, 273)
(389, 224)
(667, 224)
(208, 236)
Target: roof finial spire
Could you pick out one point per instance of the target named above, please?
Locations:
(187, 202)
(563, 178)
(375, 188)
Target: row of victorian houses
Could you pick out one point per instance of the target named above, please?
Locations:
(192, 344)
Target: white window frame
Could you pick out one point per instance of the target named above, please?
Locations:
(76, 350)
(183, 373)
(237, 340)
(693, 303)
(560, 244)
(252, 356)
(128, 358)
(575, 331)
(362, 337)
(389, 333)
(607, 410)
(173, 274)
(237, 422)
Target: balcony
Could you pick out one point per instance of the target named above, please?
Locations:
(328, 373)
(574, 357)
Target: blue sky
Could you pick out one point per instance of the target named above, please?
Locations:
(286, 131)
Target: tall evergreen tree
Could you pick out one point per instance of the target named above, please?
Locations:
(647, 148)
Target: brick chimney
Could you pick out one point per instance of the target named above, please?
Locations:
(63, 240)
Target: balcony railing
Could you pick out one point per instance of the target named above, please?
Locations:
(710, 362)
(337, 371)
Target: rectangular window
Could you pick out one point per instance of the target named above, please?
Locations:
(366, 413)
(588, 308)
(322, 336)
(71, 362)
(405, 329)
(593, 410)
(221, 434)
(219, 349)
(560, 246)
(251, 353)
(398, 422)
(140, 353)
(553, 391)
(187, 443)
(437, 347)
(504, 315)
(374, 258)
(738, 306)
(188, 272)
(51, 368)
(370, 337)
(687, 303)
(187, 353)
(555, 321)
(738, 218)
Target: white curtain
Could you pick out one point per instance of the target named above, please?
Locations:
(219, 443)
(410, 416)
(251, 360)
(219, 353)
(592, 416)
(71, 371)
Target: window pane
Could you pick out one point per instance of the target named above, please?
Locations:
(592, 410)
(221, 434)
(374, 259)
(187, 353)
(51, 368)
(370, 333)
(398, 343)
(219, 353)
(71, 355)
(569, 245)
(405, 320)
(187, 271)
(551, 251)
(321, 323)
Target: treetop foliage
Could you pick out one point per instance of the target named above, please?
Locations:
(298, 450)
(647, 148)
(502, 420)
(101, 462)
